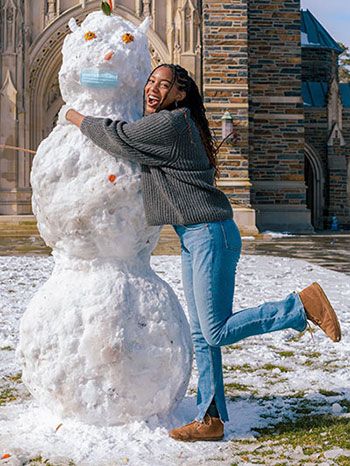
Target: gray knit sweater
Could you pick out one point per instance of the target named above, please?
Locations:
(177, 179)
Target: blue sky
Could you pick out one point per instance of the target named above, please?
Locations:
(333, 15)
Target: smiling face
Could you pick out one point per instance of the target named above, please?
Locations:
(106, 59)
(161, 91)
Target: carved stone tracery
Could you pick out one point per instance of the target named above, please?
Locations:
(9, 28)
(335, 114)
(51, 10)
(147, 10)
(53, 93)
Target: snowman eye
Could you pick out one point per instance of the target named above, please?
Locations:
(89, 35)
(127, 37)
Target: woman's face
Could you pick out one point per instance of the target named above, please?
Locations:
(159, 92)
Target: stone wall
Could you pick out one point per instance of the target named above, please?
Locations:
(333, 163)
(318, 64)
(339, 174)
(225, 72)
(316, 132)
(276, 115)
(346, 134)
(225, 86)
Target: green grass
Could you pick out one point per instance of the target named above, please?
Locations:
(237, 386)
(16, 378)
(331, 366)
(306, 407)
(314, 434)
(242, 368)
(328, 392)
(309, 363)
(343, 461)
(308, 430)
(298, 336)
(314, 354)
(231, 348)
(7, 395)
(231, 387)
(40, 460)
(285, 354)
(345, 404)
(270, 367)
(300, 394)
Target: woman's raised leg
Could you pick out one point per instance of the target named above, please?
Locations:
(214, 268)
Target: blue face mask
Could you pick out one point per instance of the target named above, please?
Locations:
(98, 79)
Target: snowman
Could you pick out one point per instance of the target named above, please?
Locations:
(105, 340)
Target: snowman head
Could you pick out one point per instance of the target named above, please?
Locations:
(104, 59)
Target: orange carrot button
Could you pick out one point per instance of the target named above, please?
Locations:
(112, 178)
(5, 456)
(89, 35)
(127, 37)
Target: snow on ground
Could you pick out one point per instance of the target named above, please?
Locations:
(277, 234)
(265, 376)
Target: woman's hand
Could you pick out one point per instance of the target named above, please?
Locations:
(74, 117)
(68, 115)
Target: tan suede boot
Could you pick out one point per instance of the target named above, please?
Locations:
(211, 428)
(320, 311)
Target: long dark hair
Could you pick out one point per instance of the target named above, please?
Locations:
(194, 102)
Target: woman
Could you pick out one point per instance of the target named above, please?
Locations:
(173, 144)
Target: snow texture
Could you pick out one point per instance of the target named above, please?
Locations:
(103, 317)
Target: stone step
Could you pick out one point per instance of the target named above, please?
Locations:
(169, 243)
(25, 226)
(18, 234)
(19, 227)
(18, 230)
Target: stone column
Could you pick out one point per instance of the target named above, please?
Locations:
(225, 86)
(15, 193)
(8, 107)
(277, 116)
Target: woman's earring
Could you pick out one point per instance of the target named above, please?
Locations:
(176, 104)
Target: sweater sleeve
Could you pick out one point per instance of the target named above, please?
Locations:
(148, 141)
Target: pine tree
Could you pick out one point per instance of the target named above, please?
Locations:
(344, 64)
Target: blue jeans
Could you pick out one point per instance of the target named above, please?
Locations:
(209, 255)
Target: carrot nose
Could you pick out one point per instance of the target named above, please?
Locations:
(108, 56)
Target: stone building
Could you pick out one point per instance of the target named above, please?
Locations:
(327, 126)
(289, 170)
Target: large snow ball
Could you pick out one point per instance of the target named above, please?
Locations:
(106, 347)
(108, 54)
(87, 203)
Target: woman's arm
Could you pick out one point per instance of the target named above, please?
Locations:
(148, 141)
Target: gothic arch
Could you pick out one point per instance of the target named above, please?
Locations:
(316, 190)
(45, 62)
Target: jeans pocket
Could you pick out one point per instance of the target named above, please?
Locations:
(231, 235)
